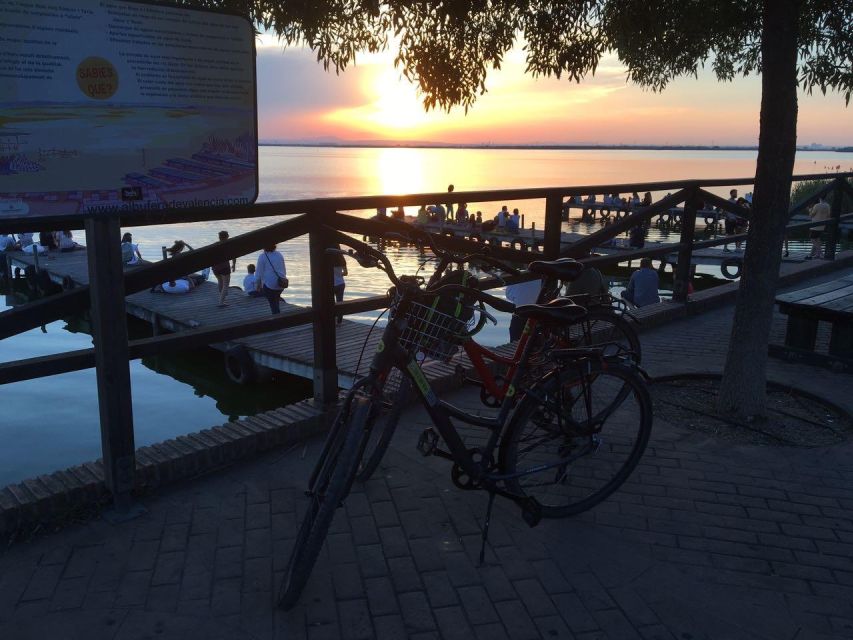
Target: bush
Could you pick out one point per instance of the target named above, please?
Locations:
(805, 189)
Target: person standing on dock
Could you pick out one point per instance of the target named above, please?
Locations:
(642, 288)
(449, 205)
(501, 218)
(271, 274)
(731, 221)
(339, 270)
(819, 211)
(222, 271)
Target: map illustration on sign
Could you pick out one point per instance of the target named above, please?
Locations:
(108, 106)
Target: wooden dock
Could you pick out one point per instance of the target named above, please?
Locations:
(533, 239)
(288, 350)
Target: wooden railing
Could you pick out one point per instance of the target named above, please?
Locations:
(109, 285)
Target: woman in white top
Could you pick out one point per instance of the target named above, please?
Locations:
(271, 276)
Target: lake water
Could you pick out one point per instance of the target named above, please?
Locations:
(52, 422)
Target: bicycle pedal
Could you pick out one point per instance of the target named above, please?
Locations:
(428, 442)
(531, 511)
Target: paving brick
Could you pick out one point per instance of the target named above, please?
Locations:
(371, 561)
(478, 606)
(439, 589)
(389, 627)
(518, 624)
(553, 627)
(404, 575)
(354, 618)
(534, 598)
(42, 583)
(452, 624)
(168, 568)
(381, 597)
(364, 530)
(416, 612)
(394, 542)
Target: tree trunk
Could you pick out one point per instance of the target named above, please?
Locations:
(743, 388)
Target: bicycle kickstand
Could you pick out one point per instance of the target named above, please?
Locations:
(486, 527)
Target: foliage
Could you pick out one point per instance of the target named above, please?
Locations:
(448, 46)
(808, 188)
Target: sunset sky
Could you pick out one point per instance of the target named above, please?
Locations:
(299, 101)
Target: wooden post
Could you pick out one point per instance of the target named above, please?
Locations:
(835, 225)
(681, 275)
(553, 220)
(323, 306)
(109, 333)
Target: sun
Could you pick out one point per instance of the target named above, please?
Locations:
(394, 109)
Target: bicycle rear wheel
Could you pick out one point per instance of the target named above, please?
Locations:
(604, 326)
(333, 478)
(577, 436)
(384, 416)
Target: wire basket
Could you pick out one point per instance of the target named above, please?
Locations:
(433, 333)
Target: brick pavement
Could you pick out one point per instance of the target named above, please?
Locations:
(707, 540)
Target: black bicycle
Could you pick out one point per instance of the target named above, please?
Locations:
(556, 448)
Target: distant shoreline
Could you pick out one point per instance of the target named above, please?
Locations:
(532, 147)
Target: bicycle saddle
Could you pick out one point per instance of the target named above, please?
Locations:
(564, 268)
(563, 313)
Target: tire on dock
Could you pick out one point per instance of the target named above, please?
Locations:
(731, 267)
(240, 368)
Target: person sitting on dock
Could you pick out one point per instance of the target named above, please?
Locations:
(398, 214)
(589, 212)
(642, 288)
(590, 282)
(25, 240)
(47, 239)
(462, 213)
(8, 243)
(423, 216)
(647, 199)
(249, 283)
(129, 251)
(66, 241)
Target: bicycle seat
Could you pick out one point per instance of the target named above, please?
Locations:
(564, 268)
(565, 313)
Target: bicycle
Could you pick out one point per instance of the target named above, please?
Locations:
(556, 426)
(601, 325)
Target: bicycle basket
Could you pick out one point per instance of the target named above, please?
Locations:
(433, 333)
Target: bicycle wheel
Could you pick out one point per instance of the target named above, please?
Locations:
(384, 416)
(574, 439)
(332, 481)
(603, 326)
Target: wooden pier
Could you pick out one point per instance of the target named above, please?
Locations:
(533, 240)
(288, 350)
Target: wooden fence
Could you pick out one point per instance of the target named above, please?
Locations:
(109, 285)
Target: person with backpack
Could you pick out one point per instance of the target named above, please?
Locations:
(271, 276)
(129, 251)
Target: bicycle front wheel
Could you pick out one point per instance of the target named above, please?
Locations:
(333, 478)
(577, 436)
(384, 416)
